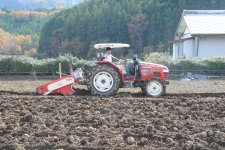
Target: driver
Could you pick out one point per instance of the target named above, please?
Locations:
(108, 55)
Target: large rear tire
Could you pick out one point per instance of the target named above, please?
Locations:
(103, 80)
(154, 88)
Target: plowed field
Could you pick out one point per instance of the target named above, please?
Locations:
(191, 118)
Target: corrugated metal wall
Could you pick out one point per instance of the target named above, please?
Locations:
(206, 47)
(211, 46)
(177, 50)
(188, 47)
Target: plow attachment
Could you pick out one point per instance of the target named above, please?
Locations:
(61, 86)
(64, 85)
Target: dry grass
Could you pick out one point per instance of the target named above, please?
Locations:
(29, 84)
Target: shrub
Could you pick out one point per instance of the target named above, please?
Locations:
(186, 65)
(159, 58)
(216, 65)
(24, 64)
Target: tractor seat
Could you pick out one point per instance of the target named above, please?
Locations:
(128, 66)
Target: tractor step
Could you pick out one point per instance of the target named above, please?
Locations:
(128, 84)
(128, 77)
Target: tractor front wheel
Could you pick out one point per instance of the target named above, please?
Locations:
(154, 88)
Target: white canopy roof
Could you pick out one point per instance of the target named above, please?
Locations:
(111, 45)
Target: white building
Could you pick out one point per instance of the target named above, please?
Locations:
(200, 33)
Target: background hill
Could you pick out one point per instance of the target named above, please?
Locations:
(36, 4)
(149, 25)
(20, 31)
(21, 22)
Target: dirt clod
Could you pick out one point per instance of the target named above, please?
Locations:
(189, 145)
(143, 141)
(83, 142)
(130, 140)
(55, 139)
(70, 139)
(25, 137)
(203, 135)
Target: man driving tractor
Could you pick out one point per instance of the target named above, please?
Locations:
(106, 57)
(134, 68)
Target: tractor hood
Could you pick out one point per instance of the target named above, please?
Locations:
(150, 70)
(153, 67)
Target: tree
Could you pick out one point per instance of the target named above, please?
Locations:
(136, 28)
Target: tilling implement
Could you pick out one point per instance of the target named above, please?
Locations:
(64, 85)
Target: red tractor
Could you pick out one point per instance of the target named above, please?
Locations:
(106, 77)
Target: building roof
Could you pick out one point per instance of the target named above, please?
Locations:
(202, 22)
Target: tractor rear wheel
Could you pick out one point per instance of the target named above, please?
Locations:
(154, 88)
(103, 80)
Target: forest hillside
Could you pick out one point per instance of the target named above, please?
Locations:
(148, 25)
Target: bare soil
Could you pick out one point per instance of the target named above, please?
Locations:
(190, 116)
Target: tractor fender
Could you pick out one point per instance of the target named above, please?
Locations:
(114, 66)
(164, 82)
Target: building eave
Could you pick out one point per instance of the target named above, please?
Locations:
(205, 34)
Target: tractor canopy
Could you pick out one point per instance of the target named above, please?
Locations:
(111, 45)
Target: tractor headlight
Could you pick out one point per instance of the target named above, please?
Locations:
(166, 71)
